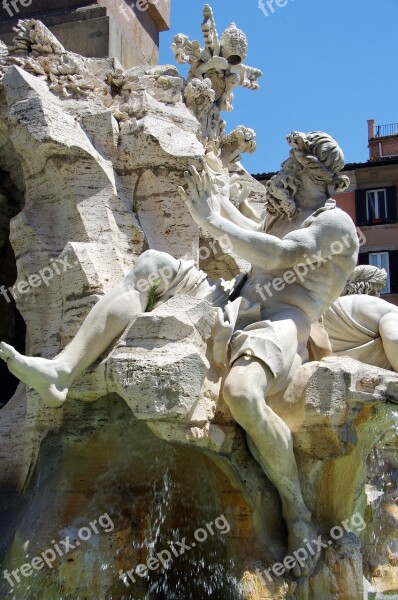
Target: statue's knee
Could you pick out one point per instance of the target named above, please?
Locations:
(237, 393)
(153, 267)
(150, 261)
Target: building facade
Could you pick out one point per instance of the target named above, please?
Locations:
(124, 29)
(371, 201)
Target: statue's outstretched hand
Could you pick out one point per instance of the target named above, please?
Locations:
(203, 202)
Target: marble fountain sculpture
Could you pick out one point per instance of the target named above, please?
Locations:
(166, 381)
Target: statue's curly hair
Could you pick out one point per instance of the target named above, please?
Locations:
(321, 157)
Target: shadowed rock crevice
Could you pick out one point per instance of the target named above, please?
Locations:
(12, 325)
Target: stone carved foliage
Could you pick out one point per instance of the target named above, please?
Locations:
(208, 88)
(34, 37)
(36, 50)
(216, 70)
(125, 90)
(241, 140)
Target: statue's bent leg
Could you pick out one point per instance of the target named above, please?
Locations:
(246, 388)
(103, 325)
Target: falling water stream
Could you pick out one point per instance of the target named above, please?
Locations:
(155, 494)
(203, 571)
(103, 462)
(382, 495)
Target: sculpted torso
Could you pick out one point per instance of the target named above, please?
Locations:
(315, 279)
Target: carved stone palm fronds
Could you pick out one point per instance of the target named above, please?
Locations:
(365, 279)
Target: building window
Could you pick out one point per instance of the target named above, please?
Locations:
(376, 206)
(381, 260)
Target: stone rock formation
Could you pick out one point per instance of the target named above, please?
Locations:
(91, 159)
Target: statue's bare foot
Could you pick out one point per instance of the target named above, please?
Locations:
(38, 373)
(301, 535)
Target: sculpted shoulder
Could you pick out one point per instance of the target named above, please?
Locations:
(336, 218)
(335, 226)
(327, 227)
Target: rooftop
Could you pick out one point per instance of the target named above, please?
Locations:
(383, 162)
(385, 130)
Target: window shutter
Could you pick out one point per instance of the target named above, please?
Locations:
(394, 271)
(363, 258)
(391, 204)
(360, 205)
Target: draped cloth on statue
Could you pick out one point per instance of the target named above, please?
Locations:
(191, 281)
(239, 328)
(319, 344)
(350, 338)
(240, 331)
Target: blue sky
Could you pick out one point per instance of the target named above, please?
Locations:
(327, 64)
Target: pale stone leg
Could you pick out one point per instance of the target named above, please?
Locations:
(388, 328)
(105, 322)
(271, 443)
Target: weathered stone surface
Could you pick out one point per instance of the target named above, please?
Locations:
(93, 171)
(76, 214)
(161, 366)
(346, 407)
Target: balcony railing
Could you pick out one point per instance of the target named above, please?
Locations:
(386, 130)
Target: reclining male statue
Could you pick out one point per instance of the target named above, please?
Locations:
(269, 341)
(360, 324)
